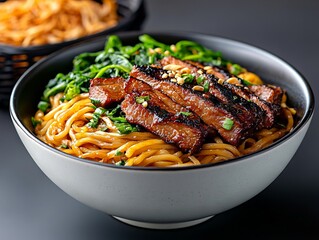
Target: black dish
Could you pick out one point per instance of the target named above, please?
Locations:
(15, 60)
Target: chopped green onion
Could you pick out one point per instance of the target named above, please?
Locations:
(35, 122)
(125, 128)
(245, 82)
(118, 153)
(206, 86)
(235, 69)
(63, 145)
(120, 163)
(142, 99)
(200, 79)
(228, 124)
(185, 113)
(188, 78)
(95, 102)
(43, 106)
(96, 117)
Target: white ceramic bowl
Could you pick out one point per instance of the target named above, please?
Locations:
(171, 197)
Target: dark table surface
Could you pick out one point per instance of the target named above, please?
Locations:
(32, 207)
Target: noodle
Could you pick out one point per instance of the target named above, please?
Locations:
(35, 22)
(65, 127)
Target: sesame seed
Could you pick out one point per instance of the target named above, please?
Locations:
(233, 80)
(220, 81)
(200, 71)
(173, 48)
(172, 67)
(158, 50)
(177, 75)
(173, 80)
(165, 75)
(171, 74)
(207, 68)
(198, 88)
(185, 70)
(144, 104)
(180, 81)
(210, 71)
(151, 50)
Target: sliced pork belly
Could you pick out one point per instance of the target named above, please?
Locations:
(247, 111)
(166, 103)
(272, 110)
(262, 101)
(177, 129)
(268, 93)
(209, 109)
(105, 91)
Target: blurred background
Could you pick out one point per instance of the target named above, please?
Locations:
(32, 207)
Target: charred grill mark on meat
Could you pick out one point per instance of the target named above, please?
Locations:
(249, 108)
(272, 110)
(262, 101)
(210, 110)
(172, 128)
(268, 93)
(246, 110)
(135, 85)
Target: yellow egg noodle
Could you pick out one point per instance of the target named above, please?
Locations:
(36, 22)
(65, 127)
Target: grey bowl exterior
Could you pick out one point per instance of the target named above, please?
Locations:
(163, 196)
(166, 195)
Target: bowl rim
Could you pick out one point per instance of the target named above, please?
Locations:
(122, 23)
(309, 112)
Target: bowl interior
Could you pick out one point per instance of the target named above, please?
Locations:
(29, 88)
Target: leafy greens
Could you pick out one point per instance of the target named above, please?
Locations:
(117, 60)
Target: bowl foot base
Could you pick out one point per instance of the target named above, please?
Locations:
(163, 226)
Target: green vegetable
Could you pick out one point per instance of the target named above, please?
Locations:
(43, 106)
(141, 99)
(200, 79)
(96, 117)
(95, 102)
(245, 82)
(120, 163)
(185, 113)
(113, 43)
(206, 86)
(118, 153)
(116, 60)
(115, 115)
(188, 78)
(125, 127)
(35, 122)
(228, 124)
(235, 69)
(63, 145)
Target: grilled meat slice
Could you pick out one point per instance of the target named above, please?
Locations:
(247, 111)
(137, 86)
(166, 103)
(272, 110)
(268, 93)
(208, 108)
(172, 128)
(266, 97)
(105, 91)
